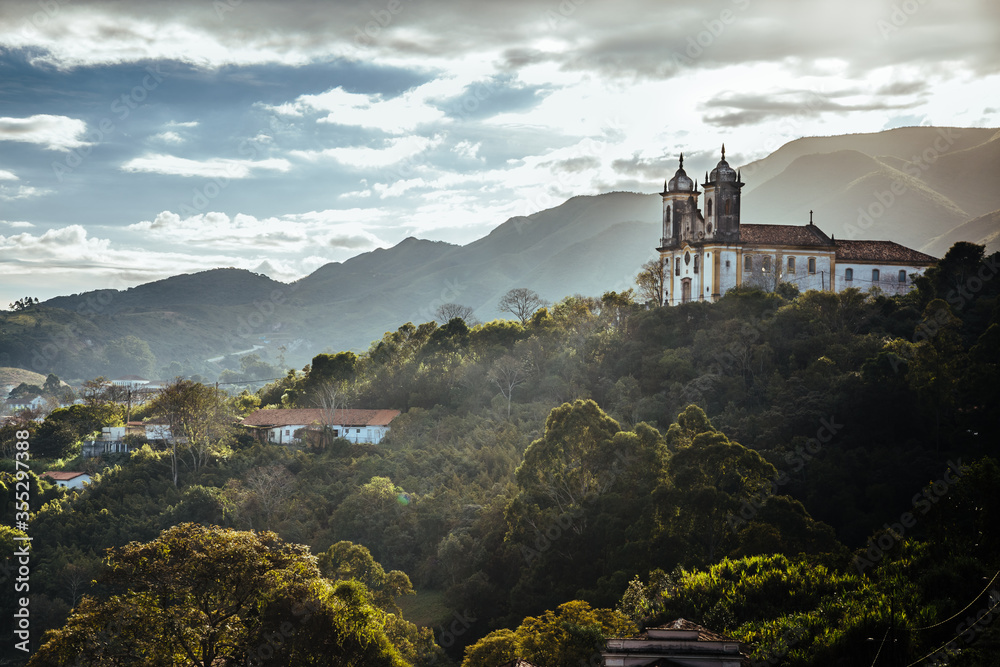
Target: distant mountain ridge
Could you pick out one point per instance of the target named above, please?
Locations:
(923, 187)
(910, 185)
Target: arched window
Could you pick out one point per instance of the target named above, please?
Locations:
(812, 265)
(668, 213)
(902, 276)
(696, 264)
(791, 265)
(747, 263)
(875, 276)
(848, 274)
(709, 208)
(767, 264)
(677, 266)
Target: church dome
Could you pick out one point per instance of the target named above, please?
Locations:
(680, 181)
(722, 171)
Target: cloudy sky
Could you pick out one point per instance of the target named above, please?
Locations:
(144, 139)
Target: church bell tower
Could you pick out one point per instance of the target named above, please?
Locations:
(722, 202)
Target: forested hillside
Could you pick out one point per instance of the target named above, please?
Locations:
(812, 474)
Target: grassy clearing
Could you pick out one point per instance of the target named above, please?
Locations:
(426, 608)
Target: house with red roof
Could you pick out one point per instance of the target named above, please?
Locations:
(705, 253)
(289, 426)
(71, 480)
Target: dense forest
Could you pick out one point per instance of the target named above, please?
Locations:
(814, 474)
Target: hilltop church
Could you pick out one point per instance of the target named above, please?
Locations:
(705, 254)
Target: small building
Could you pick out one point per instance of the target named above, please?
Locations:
(130, 382)
(680, 643)
(18, 404)
(158, 429)
(288, 426)
(70, 480)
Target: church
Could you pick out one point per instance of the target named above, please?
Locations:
(704, 254)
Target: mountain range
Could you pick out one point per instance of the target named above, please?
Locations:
(924, 187)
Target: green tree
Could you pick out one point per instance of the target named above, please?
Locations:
(210, 596)
(25, 390)
(197, 413)
(568, 464)
(346, 560)
(572, 635)
(130, 355)
(54, 439)
(496, 648)
(52, 385)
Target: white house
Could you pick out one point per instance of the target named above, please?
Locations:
(705, 253)
(130, 382)
(157, 429)
(70, 480)
(287, 426)
(15, 404)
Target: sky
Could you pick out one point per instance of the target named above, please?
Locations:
(144, 139)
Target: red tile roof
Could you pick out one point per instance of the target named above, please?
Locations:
(880, 251)
(771, 235)
(306, 416)
(61, 476)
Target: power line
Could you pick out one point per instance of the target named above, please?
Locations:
(964, 609)
(879, 652)
(947, 643)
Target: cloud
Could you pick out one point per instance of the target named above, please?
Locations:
(71, 252)
(574, 164)
(394, 151)
(288, 234)
(903, 88)
(755, 108)
(398, 187)
(55, 244)
(57, 133)
(394, 115)
(17, 224)
(8, 175)
(8, 193)
(467, 149)
(649, 169)
(212, 168)
(168, 138)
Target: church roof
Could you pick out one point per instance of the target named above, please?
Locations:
(722, 171)
(680, 181)
(772, 235)
(880, 251)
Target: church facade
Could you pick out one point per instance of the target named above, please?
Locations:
(705, 253)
